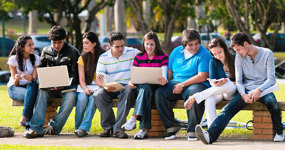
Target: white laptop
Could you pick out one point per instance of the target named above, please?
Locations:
(148, 75)
(50, 77)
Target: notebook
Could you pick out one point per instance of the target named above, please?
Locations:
(148, 75)
(50, 77)
(108, 82)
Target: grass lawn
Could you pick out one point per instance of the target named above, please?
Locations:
(9, 116)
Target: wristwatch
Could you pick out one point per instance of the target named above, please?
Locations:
(182, 84)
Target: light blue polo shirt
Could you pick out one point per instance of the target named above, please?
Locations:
(183, 69)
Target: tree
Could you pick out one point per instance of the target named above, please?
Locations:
(139, 19)
(120, 19)
(262, 14)
(52, 12)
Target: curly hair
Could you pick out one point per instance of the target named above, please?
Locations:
(18, 50)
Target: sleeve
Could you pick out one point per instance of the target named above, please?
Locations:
(43, 62)
(164, 72)
(203, 65)
(80, 61)
(165, 60)
(37, 62)
(135, 63)
(270, 73)
(100, 66)
(239, 75)
(74, 68)
(12, 61)
(171, 59)
(212, 69)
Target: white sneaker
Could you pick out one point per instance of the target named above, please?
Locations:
(130, 124)
(141, 134)
(172, 134)
(279, 137)
(202, 134)
(192, 136)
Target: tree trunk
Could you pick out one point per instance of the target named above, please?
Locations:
(120, 20)
(191, 24)
(283, 28)
(93, 26)
(170, 18)
(33, 22)
(139, 16)
(109, 18)
(147, 13)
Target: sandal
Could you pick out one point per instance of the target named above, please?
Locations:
(120, 134)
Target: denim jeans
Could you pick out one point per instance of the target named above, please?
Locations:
(235, 105)
(44, 95)
(143, 104)
(165, 100)
(27, 93)
(126, 99)
(85, 110)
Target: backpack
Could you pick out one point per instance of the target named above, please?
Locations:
(6, 132)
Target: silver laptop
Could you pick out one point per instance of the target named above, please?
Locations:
(145, 75)
(50, 77)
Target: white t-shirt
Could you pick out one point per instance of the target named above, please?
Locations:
(27, 66)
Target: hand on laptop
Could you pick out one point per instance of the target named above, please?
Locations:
(162, 81)
(109, 89)
(131, 85)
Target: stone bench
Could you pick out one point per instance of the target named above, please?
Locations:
(262, 123)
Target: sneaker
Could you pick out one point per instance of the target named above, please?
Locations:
(279, 137)
(80, 132)
(172, 134)
(130, 124)
(141, 134)
(32, 134)
(107, 133)
(120, 134)
(49, 130)
(202, 134)
(192, 136)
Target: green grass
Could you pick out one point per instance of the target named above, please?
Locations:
(280, 55)
(9, 116)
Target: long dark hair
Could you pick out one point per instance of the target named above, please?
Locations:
(229, 58)
(18, 50)
(92, 37)
(152, 36)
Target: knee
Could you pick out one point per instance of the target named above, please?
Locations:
(210, 102)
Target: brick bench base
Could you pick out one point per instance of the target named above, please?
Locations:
(262, 123)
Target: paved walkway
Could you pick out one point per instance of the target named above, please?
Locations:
(178, 143)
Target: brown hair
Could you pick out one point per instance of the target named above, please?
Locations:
(239, 38)
(189, 35)
(229, 58)
(152, 36)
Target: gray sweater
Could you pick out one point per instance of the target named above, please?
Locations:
(259, 73)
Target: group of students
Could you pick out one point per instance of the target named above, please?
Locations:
(199, 76)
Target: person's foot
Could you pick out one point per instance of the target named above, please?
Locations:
(279, 137)
(49, 130)
(32, 134)
(120, 134)
(107, 133)
(23, 121)
(191, 136)
(130, 124)
(172, 134)
(188, 104)
(202, 134)
(80, 132)
(141, 134)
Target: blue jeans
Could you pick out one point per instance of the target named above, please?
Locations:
(85, 110)
(165, 100)
(27, 93)
(235, 105)
(143, 104)
(44, 95)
